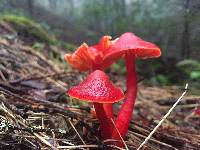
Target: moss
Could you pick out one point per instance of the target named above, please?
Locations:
(24, 25)
(38, 46)
(69, 47)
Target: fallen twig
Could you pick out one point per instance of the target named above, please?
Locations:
(76, 132)
(163, 119)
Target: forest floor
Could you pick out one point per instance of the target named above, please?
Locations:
(35, 112)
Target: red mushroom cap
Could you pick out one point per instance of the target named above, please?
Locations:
(96, 88)
(80, 59)
(106, 52)
(86, 58)
(130, 43)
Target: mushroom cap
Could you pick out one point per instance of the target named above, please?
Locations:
(87, 58)
(130, 43)
(106, 52)
(96, 88)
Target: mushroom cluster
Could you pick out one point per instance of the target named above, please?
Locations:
(97, 87)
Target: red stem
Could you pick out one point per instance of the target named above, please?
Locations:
(108, 108)
(125, 113)
(104, 114)
(106, 125)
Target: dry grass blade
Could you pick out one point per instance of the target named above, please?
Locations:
(76, 132)
(119, 134)
(44, 141)
(115, 147)
(2, 76)
(3, 108)
(153, 140)
(77, 146)
(163, 119)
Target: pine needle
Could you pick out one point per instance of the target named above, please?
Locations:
(119, 134)
(163, 119)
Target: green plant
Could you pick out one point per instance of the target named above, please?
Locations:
(190, 67)
(195, 75)
(119, 66)
(189, 63)
(69, 46)
(162, 79)
(38, 46)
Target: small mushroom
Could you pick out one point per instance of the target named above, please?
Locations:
(90, 58)
(132, 47)
(98, 89)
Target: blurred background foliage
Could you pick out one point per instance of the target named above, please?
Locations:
(174, 25)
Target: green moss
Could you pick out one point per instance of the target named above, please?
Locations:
(69, 47)
(38, 46)
(28, 26)
(162, 79)
(119, 66)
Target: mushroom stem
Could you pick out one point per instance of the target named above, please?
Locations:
(104, 120)
(107, 109)
(125, 113)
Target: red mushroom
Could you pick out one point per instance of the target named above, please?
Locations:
(132, 47)
(91, 58)
(104, 54)
(98, 89)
